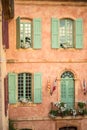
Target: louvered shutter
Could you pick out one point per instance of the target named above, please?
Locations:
(6, 94)
(79, 33)
(37, 33)
(5, 32)
(12, 88)
(70, 92)
(18, 32)
(63, 91)
(67, 92)
(54, 32)
(37, 88)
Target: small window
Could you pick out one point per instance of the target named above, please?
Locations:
(25, 86)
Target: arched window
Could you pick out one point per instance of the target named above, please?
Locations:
(67, 89)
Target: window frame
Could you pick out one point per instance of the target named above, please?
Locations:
(73, 32)
(36, 87)
(26, 21)
(24, 87)
(35, 31)
(78, 34)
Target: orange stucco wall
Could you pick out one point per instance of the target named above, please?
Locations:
(51, 62)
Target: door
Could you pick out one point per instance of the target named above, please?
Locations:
(67, 89)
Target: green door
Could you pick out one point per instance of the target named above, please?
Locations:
(67, 90)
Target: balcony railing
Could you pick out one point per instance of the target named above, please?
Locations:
(65, 109)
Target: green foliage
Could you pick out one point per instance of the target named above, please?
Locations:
(81, 105)
(11, 126)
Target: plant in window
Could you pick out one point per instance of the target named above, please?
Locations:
(81, 105)
(81, 109)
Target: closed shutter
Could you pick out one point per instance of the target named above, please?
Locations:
(37, 88)
(18, 32)
(79, 33)
(67, 91)
(54, 31)
(70, 93)
(37, 33)
(12, 88)
(63, 91)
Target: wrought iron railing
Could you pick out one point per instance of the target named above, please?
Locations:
(64, 109)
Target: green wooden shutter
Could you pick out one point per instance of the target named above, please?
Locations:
(37, 88)
(79, 33)
(54, 32)
(70, 93)
(63, 91)
(18, 32)
(12, 87)
(37, 33)
(67, 92)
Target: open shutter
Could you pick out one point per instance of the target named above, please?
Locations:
(5, 37)
(37, 88)
(54, 32)
(79, 33)
(6, 94)
(37, 33)
(18, 32)
(12, 87)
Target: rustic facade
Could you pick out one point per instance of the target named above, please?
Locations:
(46, 63)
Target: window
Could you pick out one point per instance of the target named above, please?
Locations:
(67, 33)
(25, 34)
(67, 89)
(25, 87)
(28, 33)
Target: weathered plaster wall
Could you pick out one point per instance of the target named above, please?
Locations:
(51, 62)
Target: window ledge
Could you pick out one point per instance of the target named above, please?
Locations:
(19, 104)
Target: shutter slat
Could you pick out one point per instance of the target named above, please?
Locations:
(54, 32)
(79, 33)
(37, 88)
(12, 87)
(37, 33)
(18, 32)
